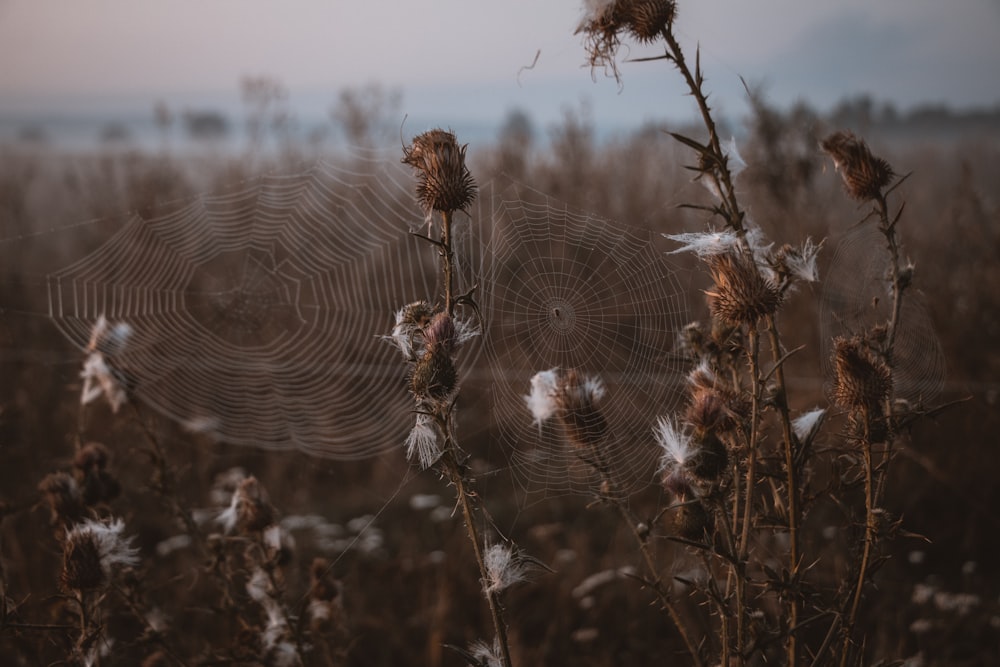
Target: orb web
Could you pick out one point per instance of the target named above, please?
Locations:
(573, 291)
(256, 313)
(857, 295)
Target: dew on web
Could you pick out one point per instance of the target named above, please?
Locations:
(857, 295)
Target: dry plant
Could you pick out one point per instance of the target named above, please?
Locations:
(744, 475)
(429, 335)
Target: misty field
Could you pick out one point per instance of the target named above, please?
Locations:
(660, 398)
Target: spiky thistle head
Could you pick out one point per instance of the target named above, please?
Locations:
(741, 294)
(93, 551)
(573, 399)
(443, 181)
(862, 379)
(434, 377)
(249, 508)
(577, 408)
(647, 19)
(864, 174)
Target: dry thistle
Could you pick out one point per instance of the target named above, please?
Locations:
(862, 379)
(605, 20)
(249, 509)
(90, 469)
(865, 175)
(434, 376)
(64, 498)
(93, 552)
(443, 181)
(576, 401)
(742, 295)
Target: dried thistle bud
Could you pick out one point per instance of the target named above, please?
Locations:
(92, 456)
(64, 498)
(434, 376)
(441, 332)
(92, 552)
(249, 509)
(81, 566)
(712, 458)
(742, 295)
(865, 176)
(576, 401)
(323, 585)
(89, 468)
(648, 19)
(691, 520)
(443, 181)
(645, 20)
(862, 379)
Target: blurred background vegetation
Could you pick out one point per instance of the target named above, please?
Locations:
(939, 598)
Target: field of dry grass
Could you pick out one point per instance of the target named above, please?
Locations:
(367, 562)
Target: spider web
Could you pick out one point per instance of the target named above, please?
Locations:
(256, 312)
(857, 295)
(570, 290)
(256, 315)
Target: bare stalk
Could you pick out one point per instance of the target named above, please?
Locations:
(852, 614)
(781, 399)
(450, 461)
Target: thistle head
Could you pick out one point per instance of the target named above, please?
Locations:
(64, 498)
(434, 376)
(92, 552)
(577, 397)
(862, 379)
(741, 294)
(605, 20)
(443, 181)
(249, 509)
(864, 174)
(573, 399)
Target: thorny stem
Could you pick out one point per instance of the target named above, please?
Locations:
(751, 482)
(642, 538)
(869, 536)
(457, 478)
(693, 81)
(447, 260)
(781, 400)
(450, 462)
(888, 229)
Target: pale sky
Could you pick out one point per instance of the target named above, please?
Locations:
(462, 57)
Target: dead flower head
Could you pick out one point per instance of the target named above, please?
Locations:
(862, 379)
(741, 295)
(93, 552)
(605, 20)
(443, 181)
(249, 509)
(865, 176)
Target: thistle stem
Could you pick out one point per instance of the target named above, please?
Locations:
(457, 478)
(781, 399)
(869, 537)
